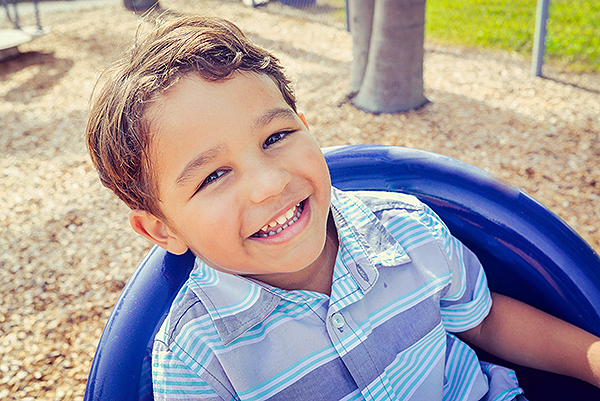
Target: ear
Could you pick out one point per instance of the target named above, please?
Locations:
(154, 229)
(303, 118)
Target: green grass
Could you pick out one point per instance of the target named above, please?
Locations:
(572, 41)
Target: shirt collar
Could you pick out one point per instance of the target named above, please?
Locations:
(236, 304)
(365, 238)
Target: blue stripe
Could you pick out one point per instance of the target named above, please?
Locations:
(374, 316)
(283, 379)
(462, 367)
(245, 303)
(419, 360)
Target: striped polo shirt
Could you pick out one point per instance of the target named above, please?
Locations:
(401, 285)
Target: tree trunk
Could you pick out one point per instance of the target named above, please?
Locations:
(387, 69)
(361, 25)
(140, 6)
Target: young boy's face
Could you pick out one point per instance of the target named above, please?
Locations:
(242, 182)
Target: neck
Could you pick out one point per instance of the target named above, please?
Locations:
(318, 276)
(323, 276)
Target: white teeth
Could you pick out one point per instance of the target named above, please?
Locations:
(281, 219)
(291, 216)
(290, 213)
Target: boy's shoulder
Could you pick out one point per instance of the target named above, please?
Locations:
(185, 309)
(391, 209)
(378, 201)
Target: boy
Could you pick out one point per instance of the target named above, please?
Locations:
(300, 291)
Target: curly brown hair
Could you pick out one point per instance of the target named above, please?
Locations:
(118, 134)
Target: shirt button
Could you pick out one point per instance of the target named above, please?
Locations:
(338, 321)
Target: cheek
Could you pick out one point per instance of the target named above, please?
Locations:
(215, 229)
(320, 174)
(311, 161)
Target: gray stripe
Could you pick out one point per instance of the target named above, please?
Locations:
(370, 358)
(189, 309)
(328, 382)
(233, 326)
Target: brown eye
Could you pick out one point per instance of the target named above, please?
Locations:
(212, 177)
(276, 137)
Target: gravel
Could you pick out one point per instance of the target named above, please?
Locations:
(67, 247)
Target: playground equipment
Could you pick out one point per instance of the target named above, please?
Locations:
(528, 253)
(10, 39)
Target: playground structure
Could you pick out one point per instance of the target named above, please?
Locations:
(11, 39)
(527, 251)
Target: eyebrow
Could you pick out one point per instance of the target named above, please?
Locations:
(270, 115)
(196, 163)
(203, 158)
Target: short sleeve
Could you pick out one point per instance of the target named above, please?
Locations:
(467, 301)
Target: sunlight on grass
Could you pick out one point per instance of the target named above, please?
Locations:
(573, 39)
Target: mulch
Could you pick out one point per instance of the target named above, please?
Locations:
(67, 247)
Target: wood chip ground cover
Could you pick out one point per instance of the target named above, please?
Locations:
(67, 249)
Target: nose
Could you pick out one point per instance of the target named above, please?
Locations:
(267, 179)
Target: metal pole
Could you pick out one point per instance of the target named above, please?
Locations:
(37, 15)
(347, 17)
(15, 21)
(539, 38)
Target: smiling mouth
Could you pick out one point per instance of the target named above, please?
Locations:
(282, 222)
